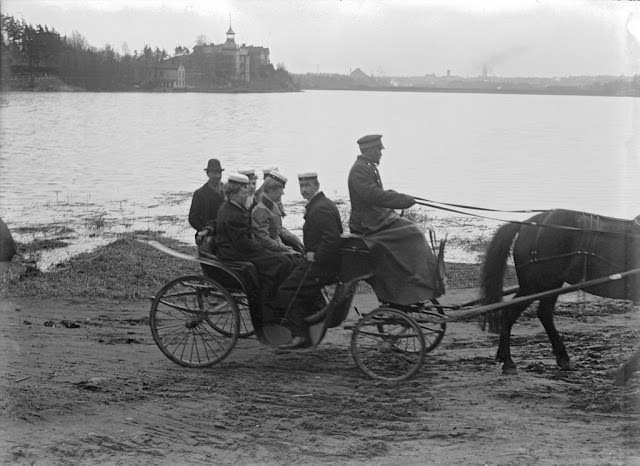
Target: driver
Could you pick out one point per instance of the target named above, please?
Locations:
(405, 268)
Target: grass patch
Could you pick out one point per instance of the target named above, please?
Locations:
(123, 270)
(129, 270)
(41, 245)
(468, 275)
(476, 245)
(49, 229)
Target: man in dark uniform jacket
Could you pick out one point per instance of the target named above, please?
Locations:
(405, 268)
(235, 241)
(321, 233)
(206, 201)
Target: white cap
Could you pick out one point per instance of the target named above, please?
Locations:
(307, 176)
(278, 177)
(238, 178)
(250, 172)
(268, 170)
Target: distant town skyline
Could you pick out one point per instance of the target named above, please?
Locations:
(382, 37)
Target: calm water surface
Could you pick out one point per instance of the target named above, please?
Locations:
(137, 156)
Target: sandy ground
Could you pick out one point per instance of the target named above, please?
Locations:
(83, 383)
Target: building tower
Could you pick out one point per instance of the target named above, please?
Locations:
(231, 39)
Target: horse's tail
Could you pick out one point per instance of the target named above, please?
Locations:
(492, 276)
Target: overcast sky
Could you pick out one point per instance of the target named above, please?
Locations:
(383, 37)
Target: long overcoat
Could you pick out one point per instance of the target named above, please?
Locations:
(405, 268)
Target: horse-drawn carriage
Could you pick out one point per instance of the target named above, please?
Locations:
(196, 320)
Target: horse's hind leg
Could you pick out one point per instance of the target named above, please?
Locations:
(509, 317)
(545, 314)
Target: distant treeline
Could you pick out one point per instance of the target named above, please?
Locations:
(32, 52)
(570, 85)
(39, 58)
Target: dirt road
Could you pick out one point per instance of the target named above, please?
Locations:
(83, 383)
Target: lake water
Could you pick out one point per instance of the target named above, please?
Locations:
(133, 159)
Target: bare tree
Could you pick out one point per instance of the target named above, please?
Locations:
(201, 39)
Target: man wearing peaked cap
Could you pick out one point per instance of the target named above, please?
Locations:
(253, 178)
(370, 141)
(206, 201)
(238, 178)
(300, 292)
(266, 218)
(248, 172)
(265, 174)
(405, 268)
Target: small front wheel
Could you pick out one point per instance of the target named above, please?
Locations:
(388, 344)
(185, 318)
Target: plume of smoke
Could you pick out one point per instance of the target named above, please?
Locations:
(503, 57)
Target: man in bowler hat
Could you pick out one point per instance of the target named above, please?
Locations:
(206, 201)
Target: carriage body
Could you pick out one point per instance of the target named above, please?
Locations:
(197, 320)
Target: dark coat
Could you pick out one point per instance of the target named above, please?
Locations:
(204, 207)
(234, 237)
(371, 205)
(235, 241)
(321, 231)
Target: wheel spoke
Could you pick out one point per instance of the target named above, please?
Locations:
(186, 317)
(387, 344)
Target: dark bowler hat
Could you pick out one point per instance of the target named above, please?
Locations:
(214, 166)
(370, 141)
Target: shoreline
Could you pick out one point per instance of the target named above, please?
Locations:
(125, 269)
(472, 90)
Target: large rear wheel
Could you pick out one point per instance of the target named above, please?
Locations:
(246, 325)
(387, 344)
(186, 317)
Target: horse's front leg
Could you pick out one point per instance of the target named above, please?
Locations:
(545, 314)
(503, 356)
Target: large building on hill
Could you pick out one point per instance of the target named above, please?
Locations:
(211, 66)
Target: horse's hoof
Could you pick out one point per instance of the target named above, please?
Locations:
(565, 365)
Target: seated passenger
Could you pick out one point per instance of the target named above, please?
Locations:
(266, 218)
(321, 231)
(405, 268)
(253, 179)
(235, 240)
(265, 175)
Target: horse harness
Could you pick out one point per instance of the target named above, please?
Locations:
(587, 244)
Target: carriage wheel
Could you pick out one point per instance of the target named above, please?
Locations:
(433, 324)
(246, 326)
(387, 344)
(184, 318)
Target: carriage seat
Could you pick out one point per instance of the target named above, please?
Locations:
(354, 257)
(245, 270)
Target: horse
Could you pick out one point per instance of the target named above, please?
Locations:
(552, 248)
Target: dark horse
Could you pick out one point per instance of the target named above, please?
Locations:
(563, 247)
